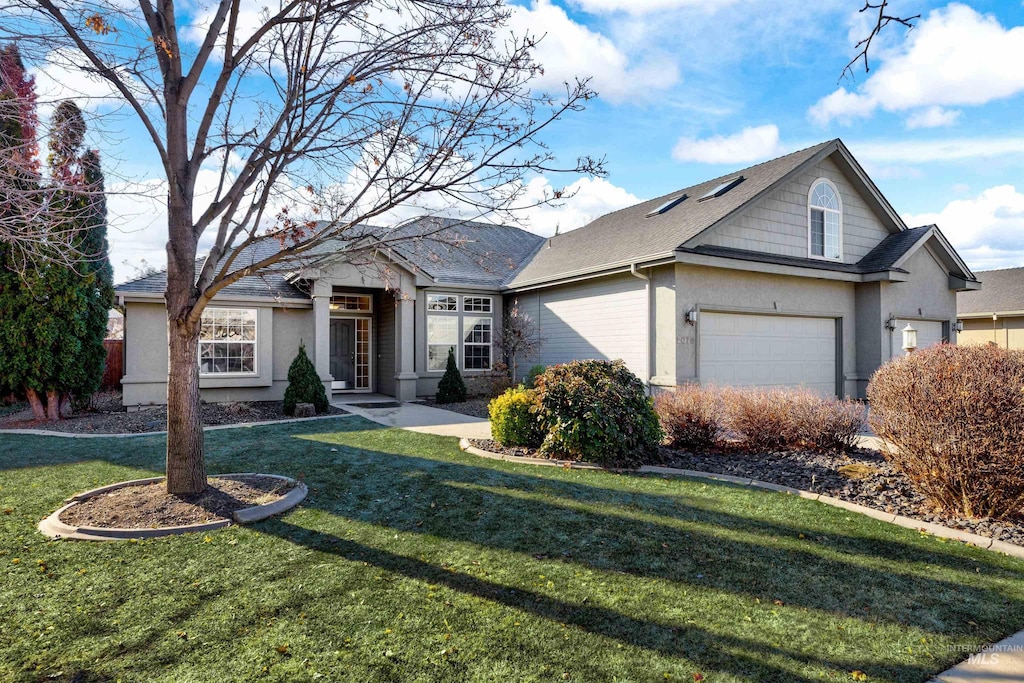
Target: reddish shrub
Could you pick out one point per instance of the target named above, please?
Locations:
(825, 423)
(955, 418)
(690, 416)
(775, 419)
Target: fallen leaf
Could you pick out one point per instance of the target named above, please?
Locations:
(858, 675)
(282, 649)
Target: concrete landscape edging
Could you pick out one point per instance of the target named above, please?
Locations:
(54, 528)
(940, 531)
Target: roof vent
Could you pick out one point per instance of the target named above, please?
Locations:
(722, 188)
(666, 206)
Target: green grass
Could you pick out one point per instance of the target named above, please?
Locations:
(411, 561)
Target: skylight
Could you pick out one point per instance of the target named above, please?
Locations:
(722, 188)
(666, 206)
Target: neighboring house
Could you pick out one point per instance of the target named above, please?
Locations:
(994, 315)
(794, 272)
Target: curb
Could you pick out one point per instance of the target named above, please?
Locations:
(128, 435)
(983, 542)
(54, 528)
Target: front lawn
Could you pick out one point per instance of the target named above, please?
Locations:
(411, 561)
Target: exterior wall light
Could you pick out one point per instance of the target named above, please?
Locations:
(959, 326)
(890, 324)
(691, 316)
(909, 339)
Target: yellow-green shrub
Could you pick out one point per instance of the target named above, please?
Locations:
(514, 418)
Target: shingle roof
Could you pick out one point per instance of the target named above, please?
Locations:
(446, 249)
(270, 284)
(891, 249)
(1001, 290)
(629, 235)
(764, 257)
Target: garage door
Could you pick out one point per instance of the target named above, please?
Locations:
(768, 351)
(929, 333)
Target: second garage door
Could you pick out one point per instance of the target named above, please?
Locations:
(768, 351)
(929, 333)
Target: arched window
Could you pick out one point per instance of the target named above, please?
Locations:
(824, 221)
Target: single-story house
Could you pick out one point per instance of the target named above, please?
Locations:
(793, 272)
(994, 315)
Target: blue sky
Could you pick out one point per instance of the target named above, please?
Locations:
(692, 89)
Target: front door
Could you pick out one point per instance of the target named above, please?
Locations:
(343, 353)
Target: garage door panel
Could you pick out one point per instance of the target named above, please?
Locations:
(768, 350)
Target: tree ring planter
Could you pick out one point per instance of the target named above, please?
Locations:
(55, 528)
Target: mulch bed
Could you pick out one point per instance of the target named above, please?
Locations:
(861, 476)
(474, 407)
(106, 415)
(149, 506)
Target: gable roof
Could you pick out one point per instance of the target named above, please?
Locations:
(270, 284)
(889, 251)
(1002, 292)
(630, 235)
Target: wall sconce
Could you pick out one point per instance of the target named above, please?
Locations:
(909, 339)
(691, 316)
(890, 324)
(959, 326)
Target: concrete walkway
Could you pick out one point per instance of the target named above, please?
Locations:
(424, 419)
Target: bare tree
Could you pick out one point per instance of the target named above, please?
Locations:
(882, 20)
(317, 115)
(520, 338)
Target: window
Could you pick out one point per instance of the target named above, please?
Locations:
(721, 188)
(227, 341)
(442, 302)
(359, 303)
(824, 221)
(666, 206)
(442, 336)
(476, 304)
(476, 343)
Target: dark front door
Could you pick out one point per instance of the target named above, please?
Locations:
(343, 353)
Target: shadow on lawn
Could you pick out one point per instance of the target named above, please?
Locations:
(710, 650)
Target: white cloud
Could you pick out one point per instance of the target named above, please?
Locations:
(987, 230)
(589, 198)
(569, 50)
(933, 117)
(954, 57)
(921, 151)
(749, 145)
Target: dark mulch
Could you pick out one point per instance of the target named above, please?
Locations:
(861, 476)
(474, 407)
(150, 506)
(106, 415)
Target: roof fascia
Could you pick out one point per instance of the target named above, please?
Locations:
(988, 316)
(590, 273)
(866, 183)
(763, 267)
(158, 297)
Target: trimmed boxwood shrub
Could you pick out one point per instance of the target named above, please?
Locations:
(514, 418)
(304, 385)
(596, 410)
(955, 417)
(451, 388)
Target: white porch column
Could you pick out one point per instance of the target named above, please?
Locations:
(322, 331)
(405, 342)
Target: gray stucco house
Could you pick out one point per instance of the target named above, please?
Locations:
(796, 271)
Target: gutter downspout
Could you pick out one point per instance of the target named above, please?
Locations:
(647, 324)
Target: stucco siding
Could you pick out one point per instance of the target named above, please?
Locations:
(604, 318)
(724, 290)
(777, 224)
(924, 296)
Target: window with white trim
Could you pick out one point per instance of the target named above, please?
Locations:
(442, 337)
(476, 343)
(824, 221)
(227, 341)
(476, 304)
(442, 302)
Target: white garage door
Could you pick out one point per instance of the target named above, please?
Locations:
(768, 351)
(929, 333)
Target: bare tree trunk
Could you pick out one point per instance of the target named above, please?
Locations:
(186, 467)
(52, 405)
(38, 411)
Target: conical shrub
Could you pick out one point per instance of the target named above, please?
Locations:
(451, 388)
(304, 385)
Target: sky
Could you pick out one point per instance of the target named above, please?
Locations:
(693, 89)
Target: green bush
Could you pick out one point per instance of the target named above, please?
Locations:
(451, 388)
(304, 385)
(514, 418)
(598, 411)
(690, 416)
(531, 377)
(955, 418)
